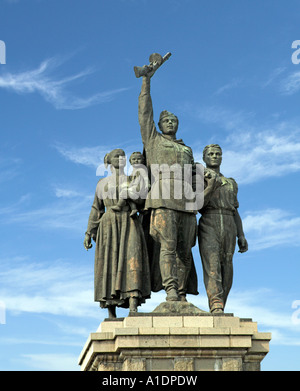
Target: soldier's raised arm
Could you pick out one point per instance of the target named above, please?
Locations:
(146, 121)
(145, 112)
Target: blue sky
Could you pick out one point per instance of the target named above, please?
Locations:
(69, 94)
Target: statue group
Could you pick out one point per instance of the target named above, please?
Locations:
(145, 225)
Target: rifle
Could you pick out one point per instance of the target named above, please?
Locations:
(155, 61)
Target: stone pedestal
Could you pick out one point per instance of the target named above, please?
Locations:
(175, 337)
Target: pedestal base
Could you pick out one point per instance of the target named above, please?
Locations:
(175, 337)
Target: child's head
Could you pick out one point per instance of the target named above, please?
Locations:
(136, 158)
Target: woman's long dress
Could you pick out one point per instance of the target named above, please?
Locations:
(121, 259)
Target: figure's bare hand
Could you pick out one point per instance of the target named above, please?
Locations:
(151, 69)
(150, 73)
(87, 242)
(211, 178)
(243, 244)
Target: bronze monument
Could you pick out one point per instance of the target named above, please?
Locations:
(143, 230)
(122, 275)
(171, 224)
(219, 226)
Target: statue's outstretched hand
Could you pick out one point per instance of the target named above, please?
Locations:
(87, 242)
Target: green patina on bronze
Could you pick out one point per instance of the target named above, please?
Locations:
(172, 226)
(219, 226)
(122, 274)
(145, 245)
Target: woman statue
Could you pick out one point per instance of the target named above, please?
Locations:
(122, 275)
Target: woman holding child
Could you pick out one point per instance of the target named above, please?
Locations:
(121, 260)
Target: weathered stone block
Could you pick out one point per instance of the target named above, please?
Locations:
(167, 321)
(109, 326)
(198, 321)
(215, 341)
(134, 364)
(226, 321)
(138, 321)
(183, 364)
(178, 342)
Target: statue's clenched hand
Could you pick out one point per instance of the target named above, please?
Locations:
(243, 244)
(87, 242)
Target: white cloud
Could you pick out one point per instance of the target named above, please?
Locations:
(50, 361)
(88, 156)
(9, 168)
(271, 228)
(94, 156)
(271, 310)
(285, 83)
(233, 84)
(54, 90)
(291, 84)
(58, 288)
(8, 211)
(227, 119)
(253, 157)
(271, 313)
(253, 151)
(273, 76)
(69, 211)
(66, 193)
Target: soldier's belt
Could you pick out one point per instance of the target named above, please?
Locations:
(219, 212)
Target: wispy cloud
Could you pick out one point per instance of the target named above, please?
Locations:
(69, 210)
(233, 84)
(270, 309)
(6, 210)
(271, 228)
(253, 150)
(39, 287)
(9, 168)
(88, 156)
(274, 76)
(291, 84)
(66, 193)
(61, 289)
(286, 83)
(254, 157)
(94, 156)
(230, 120)
(53, 89)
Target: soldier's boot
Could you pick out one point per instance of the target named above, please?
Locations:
(183, 274)
(168, 269)
(172, 295)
